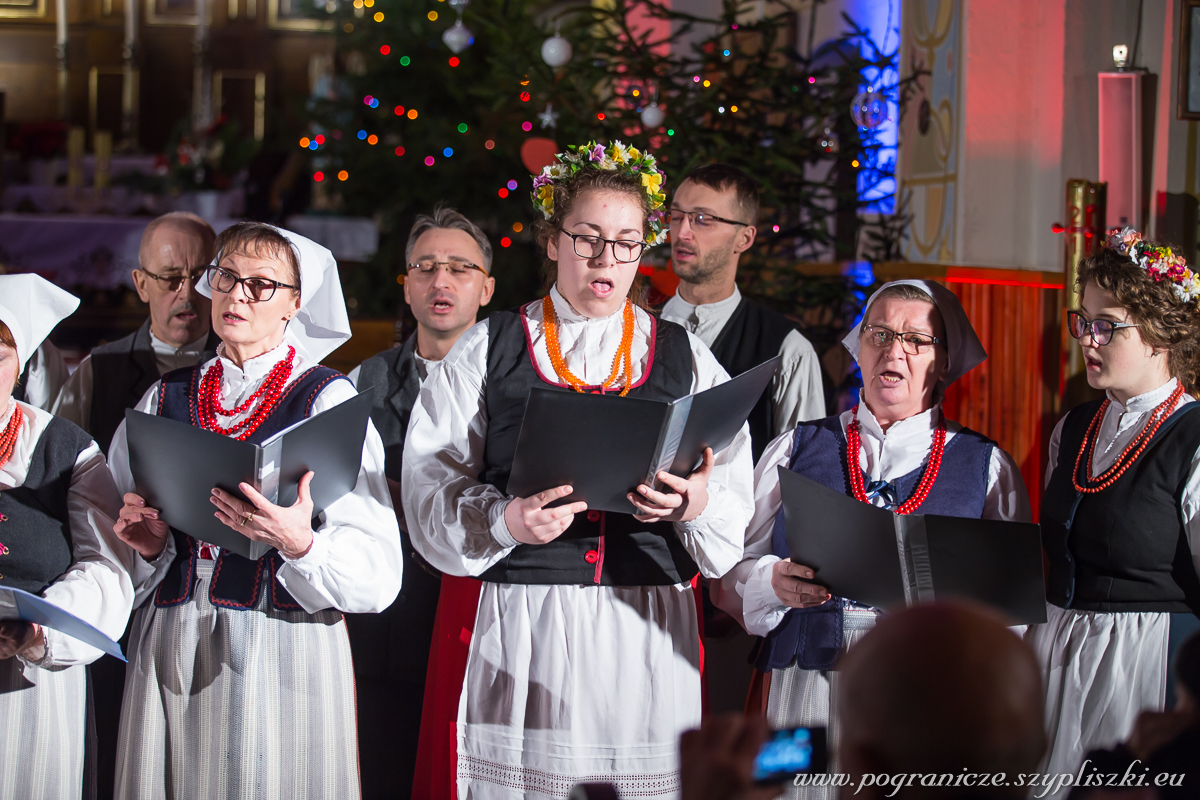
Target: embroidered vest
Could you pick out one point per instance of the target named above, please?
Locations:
(600, 547)
(812, 637)
(1125, 548)
(35, 529)
(237, 582)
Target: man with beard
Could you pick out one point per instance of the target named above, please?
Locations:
(713, 218)
(448, 263)
(175, 252)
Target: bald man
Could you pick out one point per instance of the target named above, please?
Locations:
(940, 688)
(176, 249)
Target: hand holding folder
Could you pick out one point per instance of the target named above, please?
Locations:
(628, 440)
(878, 558)
(16, 604)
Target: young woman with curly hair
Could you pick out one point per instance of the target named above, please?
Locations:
(1121, 514)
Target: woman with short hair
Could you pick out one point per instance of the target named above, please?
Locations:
(240, 681)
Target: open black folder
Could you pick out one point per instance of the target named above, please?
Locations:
(604, 446)
(875, 557)
(18, 604)
(175, 467)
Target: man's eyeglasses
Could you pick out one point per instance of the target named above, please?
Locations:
(701, 219)
(174, 282)
(589, 246)
(258, 290)
(911, 342)
(457, 269)
(1101, 330)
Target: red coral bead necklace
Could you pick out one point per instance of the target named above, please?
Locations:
(8, 439)
(267, 396)
(1129, 455)
(857, 486)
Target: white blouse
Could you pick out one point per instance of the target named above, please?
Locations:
(458, 522)
(355, 563)
(746, 591)
(1123, 422)
(100, 585)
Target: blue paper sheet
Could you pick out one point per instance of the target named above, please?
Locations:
(31, 608)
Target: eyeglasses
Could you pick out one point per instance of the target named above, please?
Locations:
(623, 250)
(700, 219)
(912, 343)
(1101, 330)
(457, 269)
(175, 282)
(258, 290)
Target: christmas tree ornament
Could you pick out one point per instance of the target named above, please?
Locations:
(829, 141)
(556, 51)
(869, 109)
(653, 115)
(457, 37)
(549, 117)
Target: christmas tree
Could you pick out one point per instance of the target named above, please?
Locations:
(412, 121)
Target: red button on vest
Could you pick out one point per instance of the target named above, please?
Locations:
(591, 556)
(593, 516)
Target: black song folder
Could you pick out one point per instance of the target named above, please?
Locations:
(604, 446)
(879, 558)
(176, 465)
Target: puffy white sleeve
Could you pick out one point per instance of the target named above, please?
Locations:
(797, 389)
(146, 574)
(1007, 498)
(97, 587)
(714, 539)
(74, 401)
(355, 563)
(745, 592)
(456, 521)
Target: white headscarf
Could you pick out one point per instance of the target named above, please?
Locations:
(321, 326)
(964, 350)
(31, 306)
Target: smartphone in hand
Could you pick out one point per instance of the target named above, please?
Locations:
(789, 752)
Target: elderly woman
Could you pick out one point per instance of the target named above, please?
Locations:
(914, 340)
(240, 680)
(585, 659)
(57, 506)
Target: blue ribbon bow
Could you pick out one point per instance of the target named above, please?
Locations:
(885, 490)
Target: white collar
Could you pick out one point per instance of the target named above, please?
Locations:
(255, 368)
(916, 425)
(567, 314)
(1147, 401)
(159, 346)
(710, 309)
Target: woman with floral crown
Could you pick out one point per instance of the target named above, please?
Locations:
(584, 661)
(1121, 514)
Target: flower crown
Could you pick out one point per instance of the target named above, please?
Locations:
(1160, 262)
(617, 156)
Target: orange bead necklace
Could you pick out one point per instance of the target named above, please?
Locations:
(1131, 452)
(622, 361)
(8, 438)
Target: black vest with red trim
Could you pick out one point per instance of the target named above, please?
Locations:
(600, 547)
(237, 582)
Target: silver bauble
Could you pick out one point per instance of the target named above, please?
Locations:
(869, 109)
(457, 37)
(653, 116)
(556, 51)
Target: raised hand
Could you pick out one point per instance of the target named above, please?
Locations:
(139, 527)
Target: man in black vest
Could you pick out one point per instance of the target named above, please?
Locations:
(176, 249)
(713, 217)
(449, 263)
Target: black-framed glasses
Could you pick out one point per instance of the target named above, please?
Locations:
(457, 269)
(1101, 330)
(589, 246)
(175, 282)
(258, 290)
(701, 219)
(911, 342)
